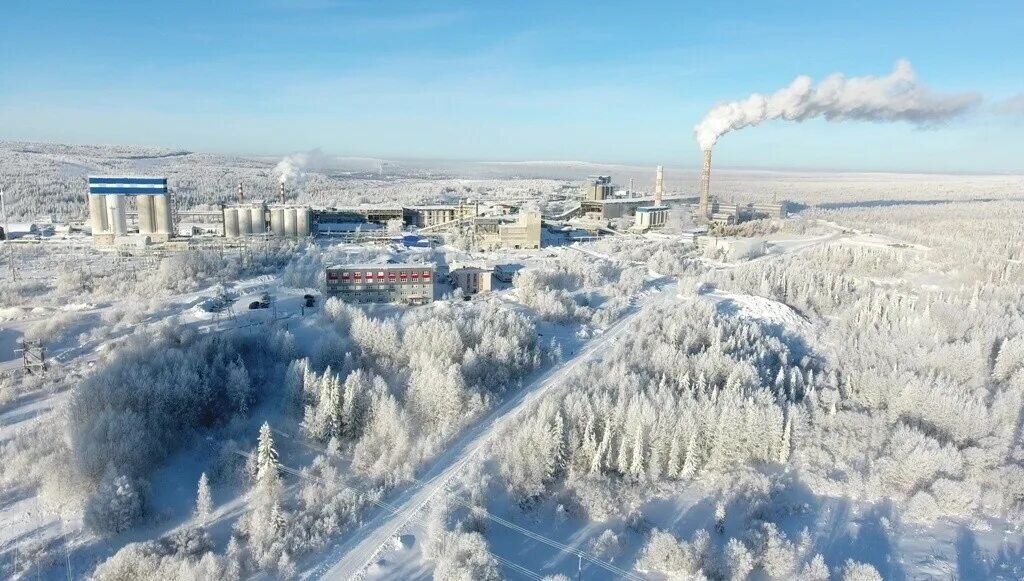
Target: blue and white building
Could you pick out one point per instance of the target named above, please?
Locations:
(107, 206)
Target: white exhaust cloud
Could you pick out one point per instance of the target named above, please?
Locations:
(897, 96)
(291, 170)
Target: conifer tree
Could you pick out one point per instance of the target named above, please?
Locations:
(204, 501)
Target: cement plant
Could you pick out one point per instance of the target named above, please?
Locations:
(321, 290)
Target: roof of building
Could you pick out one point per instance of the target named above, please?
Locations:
(431, 266)
(471, 269)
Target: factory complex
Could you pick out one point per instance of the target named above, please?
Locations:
(139, 211)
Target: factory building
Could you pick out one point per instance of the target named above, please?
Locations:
(471, 279)
(760, 210)
(354, 214)
(108, 215)
(656, 216)
(693, 235)
(498, 232)
(650, 217)
(506, 272)
(597, 188)
(724, 214)
(382, 283)
(523, 233)
(430, 216)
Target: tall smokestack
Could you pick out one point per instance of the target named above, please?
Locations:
(705, 186)
(659, 185)
(282, 192)
(241, 194)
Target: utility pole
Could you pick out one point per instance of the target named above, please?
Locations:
(7, 237)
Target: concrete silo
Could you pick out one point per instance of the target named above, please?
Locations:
(117, 222)
(277, 221)
(147, 220)
(230, 222)
(290, 222)
(162, 212)
(244, 221)
(258, 217)
(302, 220)
(98, 214)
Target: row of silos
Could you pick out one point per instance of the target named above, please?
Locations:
(108, 214)
(154, 214)
(285, 221)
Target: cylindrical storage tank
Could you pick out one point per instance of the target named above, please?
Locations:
(244, 223)
(98, 214)
(231, 222)
(290, 219)
(162, 212)
(277, 221)
(258, 218)
(302, 218)
(146, 219)
(116, 219)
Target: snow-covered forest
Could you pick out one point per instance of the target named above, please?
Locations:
(877, 373)
(843, 404)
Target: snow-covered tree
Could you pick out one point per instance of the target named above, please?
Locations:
(204, 501)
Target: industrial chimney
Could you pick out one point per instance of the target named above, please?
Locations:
(659, 185)
(241, 194)
(705, 187)
(282, 192)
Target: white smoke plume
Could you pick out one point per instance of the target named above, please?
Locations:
(897, 96)
(292, 169)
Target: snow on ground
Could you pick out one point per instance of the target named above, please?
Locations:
(389, 544)
(778, 316)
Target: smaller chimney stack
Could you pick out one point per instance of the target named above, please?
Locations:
(241, 194)
(659, 185)
(282, 192)
(705, 187)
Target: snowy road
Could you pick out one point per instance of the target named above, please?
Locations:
(351, 559)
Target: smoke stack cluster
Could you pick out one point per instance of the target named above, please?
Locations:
(705, 186)
(659, 185)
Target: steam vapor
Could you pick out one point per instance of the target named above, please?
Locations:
(291, 170)
(895, 97)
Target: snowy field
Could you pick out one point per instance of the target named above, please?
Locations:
(845, 404)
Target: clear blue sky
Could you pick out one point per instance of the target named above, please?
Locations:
(526, 80)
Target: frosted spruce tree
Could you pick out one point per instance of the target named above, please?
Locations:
(204, 501)
(266, 520)
(266, 469)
